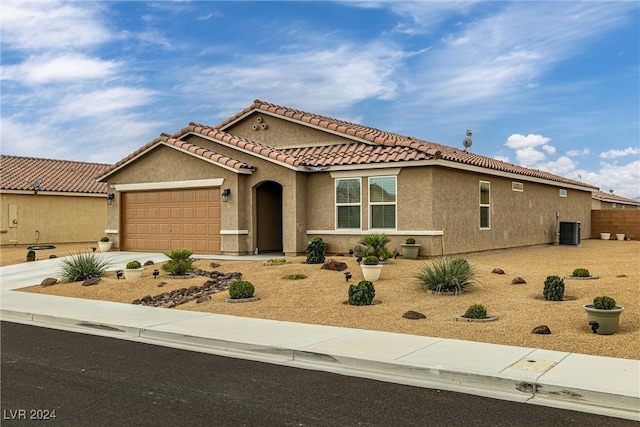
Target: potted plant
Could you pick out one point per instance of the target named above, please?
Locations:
(105, 244)
(133, 270)
(603, 315)
(371, 268)
(605, 236)
(376, 245)
(410, 248)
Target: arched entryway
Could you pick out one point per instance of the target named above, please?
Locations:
(269, 217)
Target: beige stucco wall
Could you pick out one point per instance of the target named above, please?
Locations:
(58, 218)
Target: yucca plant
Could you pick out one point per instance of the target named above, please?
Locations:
(82, 266)
(180, 262)
(446, 275)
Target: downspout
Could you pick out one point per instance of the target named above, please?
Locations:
(442, 240)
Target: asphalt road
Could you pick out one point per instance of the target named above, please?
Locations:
(86, 380)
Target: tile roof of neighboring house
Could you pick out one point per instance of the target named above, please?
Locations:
(613, 198)
(379, 137)
(21, 173)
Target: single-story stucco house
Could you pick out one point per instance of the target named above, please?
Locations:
(602, 200)
(51, 201)
(272, 178)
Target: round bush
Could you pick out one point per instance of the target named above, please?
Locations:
(580, 272)
(31, 256)
(476, 311)
(410, 241)
(604, 303)
(241, 289)
(553, 289)
(371, 260)
(362, 293)
(133, 265)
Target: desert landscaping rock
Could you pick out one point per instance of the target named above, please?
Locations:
(334, 265)
(91, 281)
(497, 271)
(148, 263)
(621, 275)
(413, 315)
(49, 281)
(518, 281)
(541, 329)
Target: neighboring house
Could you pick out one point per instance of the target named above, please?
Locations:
(51, 201)
(602, 200)
(272, 178)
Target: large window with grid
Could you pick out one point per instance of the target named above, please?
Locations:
(348, 203)
(485, 213)
(382, 202)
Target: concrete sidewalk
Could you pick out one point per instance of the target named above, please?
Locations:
(593, 384)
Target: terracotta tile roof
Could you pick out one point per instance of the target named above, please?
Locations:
(20, 173)
(613, 198)
(354, 154)
(379, 137)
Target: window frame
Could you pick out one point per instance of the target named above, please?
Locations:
(338, 205)
(484, 206)
(517, 186)
(563, 192)
(383, 203)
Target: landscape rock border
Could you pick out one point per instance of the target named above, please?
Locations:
(581, 278)
(250, 299)
(461, 318)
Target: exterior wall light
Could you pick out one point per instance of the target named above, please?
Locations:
(225, 194)
(110, 198)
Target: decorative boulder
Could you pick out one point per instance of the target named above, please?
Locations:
(149, 263)
(542, 329)
(334, 265)
(518, 281)
(413, 315)
(49, 281)
(497, 271)
(91, 281)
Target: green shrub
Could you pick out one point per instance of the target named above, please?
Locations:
(410, 241)
(371, 260)
(83, 266)
(31, 256)
(476, 311)
(295, 277)
(277, 260)
(604, 303)
(315, 251)
(180, 262)
(376, 245)
(446, 275)
(362, 293)
(241, 289)
(553, 288)
(132, 265)
(104, 239)
(580, 272)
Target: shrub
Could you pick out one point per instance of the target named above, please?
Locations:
(580, 272)
(410, 241)
(553, 288)
(376, 245)
(104, 239)
(476, 311)
(315, 251)
(446, 275)
(277, 260)
(180, 262)
(83, 266)
(362, 293)
(132, 265)
(241, 289)
(371, 260)
(604, 303)
(295, 277)
(31, 256)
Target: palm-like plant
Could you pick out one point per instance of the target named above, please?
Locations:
(376, 244)
(180, 262)
(446, 275)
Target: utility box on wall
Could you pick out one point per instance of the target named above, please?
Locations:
(570, 233)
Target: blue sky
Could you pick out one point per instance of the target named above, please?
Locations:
(546, 85)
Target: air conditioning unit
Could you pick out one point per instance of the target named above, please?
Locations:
(570, 233)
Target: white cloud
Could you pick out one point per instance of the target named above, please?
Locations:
(101, 102)
(549, 149)
(529, 157)
(72, 67)
(624, 180)
(517, 141)
(577, 153)
(502, 158)
(562, 166)
(612, 154)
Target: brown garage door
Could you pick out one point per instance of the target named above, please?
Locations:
(157, 221)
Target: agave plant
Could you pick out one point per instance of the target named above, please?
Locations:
(446, 275)
(82, 266)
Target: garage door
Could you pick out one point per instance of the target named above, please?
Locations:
(157, 221)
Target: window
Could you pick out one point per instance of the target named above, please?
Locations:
(484, 204)
(517, 186)
(563, 192)
(382, 202)
(348, 203)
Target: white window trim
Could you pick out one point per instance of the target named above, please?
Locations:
(336, 204)
(562, 192)
(395, 204)
(484, 205)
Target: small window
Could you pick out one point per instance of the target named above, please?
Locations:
(563, 192)
(382, 202)
(485, 213)
(348, 196)
(517, 186)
